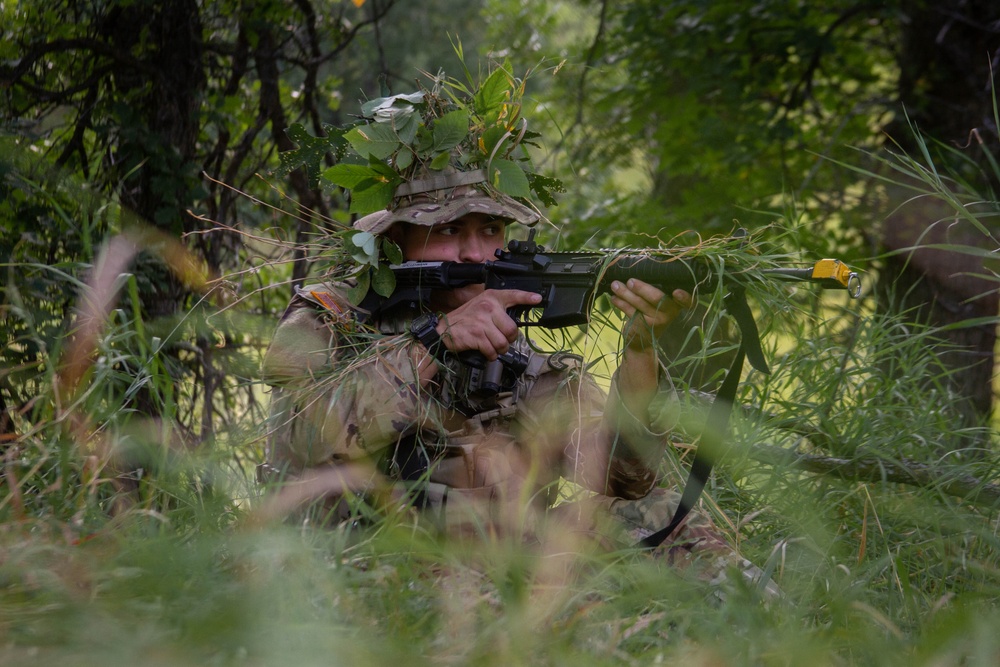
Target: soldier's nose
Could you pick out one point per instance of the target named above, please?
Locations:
(472, 251)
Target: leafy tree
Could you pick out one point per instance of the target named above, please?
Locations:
(137, 117)
(712, 112)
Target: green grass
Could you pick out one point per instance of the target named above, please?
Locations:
(144, 592)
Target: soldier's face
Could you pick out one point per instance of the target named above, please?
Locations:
(472, 238)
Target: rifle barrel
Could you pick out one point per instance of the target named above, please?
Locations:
(827, 273)
(677, 273)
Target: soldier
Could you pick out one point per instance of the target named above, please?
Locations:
(381, 407)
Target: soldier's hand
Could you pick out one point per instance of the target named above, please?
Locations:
(647, 309)
(482, 323)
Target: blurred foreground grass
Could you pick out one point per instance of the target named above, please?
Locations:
(177, 568)
(145, 590)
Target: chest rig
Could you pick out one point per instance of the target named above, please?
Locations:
(471, 444)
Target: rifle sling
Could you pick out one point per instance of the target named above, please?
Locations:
(717, 431)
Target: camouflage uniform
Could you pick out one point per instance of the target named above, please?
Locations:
(343, 392)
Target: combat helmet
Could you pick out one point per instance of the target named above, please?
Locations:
(444, 196)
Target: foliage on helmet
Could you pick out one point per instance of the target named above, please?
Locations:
(401, 136)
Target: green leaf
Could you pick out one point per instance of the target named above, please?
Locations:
(440, 161)
(375, 197)
(373, 141)
(311, 151)
(509, 178)
(359, 257)
(392, 251)
(425, 141)
(365, 241)
(357, 293)
(544, 188)
(406, 129)
(349, 176)
(492, 93)
(384, 172)
(491, 136)
(372, 186)
(450, 129)
(404, 159)
(384, 281)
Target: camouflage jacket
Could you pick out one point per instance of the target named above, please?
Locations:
(346, 392)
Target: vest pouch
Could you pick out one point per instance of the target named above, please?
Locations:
(475, 461)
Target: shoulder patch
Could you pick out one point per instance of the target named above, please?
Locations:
(326, 300)
(332, 301)
(327, 297)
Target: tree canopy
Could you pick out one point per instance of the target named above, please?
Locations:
(838, 116)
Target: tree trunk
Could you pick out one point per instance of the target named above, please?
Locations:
(152, 157)
(945, 60)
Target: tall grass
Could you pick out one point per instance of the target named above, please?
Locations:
(121, 543)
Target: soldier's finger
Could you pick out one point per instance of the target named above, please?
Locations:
(506, 326)
(621, 304)
(494, 343)
(629, 302)
(645, 291)
(683, 298)
(516, 297)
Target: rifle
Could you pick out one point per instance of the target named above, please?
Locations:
(569, 282)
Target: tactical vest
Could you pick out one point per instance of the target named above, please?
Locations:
(474, 448)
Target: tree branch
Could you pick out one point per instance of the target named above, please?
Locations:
(802, 89)
(871, 469)
(38, 50)
(588, 64)
(581, 86)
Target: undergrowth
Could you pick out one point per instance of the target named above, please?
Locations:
(118, 544)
